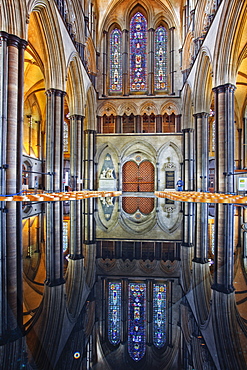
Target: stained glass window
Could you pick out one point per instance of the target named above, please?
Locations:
(138, 44)
(65, 137)
(137, 321)
(114, 312)
(160, 59)
(159, 315)
(116, 61)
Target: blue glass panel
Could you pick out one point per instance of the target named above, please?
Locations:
(138, 44)
(114, 312)
(160, 59)
(116, 61)
(137, 321)
(159, 315)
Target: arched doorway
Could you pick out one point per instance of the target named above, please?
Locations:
(138, 178)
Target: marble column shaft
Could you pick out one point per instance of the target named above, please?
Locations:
(125, 59)
(224, 121)
(76, 231)
(201, 239)
(105, 53)
(201, 141)
(189, 159)
(76, 150)
(89, 153)
(54, 139)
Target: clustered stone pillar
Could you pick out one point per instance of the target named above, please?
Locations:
(76, 154)
(11, 136)
(189, 158)
(54, 139)
(76, 230)
(89, 153)
(201, 141)
(224, 229)
(224, 122)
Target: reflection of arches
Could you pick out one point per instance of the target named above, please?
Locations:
(26, 174)
(144, 205)
(138, 178)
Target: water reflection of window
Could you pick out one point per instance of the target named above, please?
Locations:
(114, 312)
(137, 321)
(65, 236)
(159, 315)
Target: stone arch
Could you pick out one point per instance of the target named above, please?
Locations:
(75, 84)
(138, 146)
(90, 113)
(107, 108)
(203, 84)
(148, 108)
(49, 44)
(128, 109)
(188, 52)
(169, 108)
(187, 105)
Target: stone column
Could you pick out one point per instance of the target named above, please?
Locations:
(76, 152)
(118, 129)
(224, 121)
(138, 125)
(178, 123)
(189, 159)
(105, 53)
(159, 123)
(54, 243)
(54, 139)
(125, 61)
(201, 140)
(224, 250)
(151, 61)
(89, 153)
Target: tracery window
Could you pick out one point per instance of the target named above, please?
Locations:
(116, 61)
(138, 59)
(159, 315)
(160, 58)
(65, 137)
(137, 321)
(114, 312)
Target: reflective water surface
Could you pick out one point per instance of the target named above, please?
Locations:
(123, 283)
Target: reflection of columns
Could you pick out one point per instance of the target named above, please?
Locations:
(105, 49)
(54, 139)
(189, 158)
(76, 150)
(188, 224)
(224, 259)
(125, 63)
(224, 121)
(54, 243)
(201, 239)
(76, 230)
(89, 152)
(151, 62)
(89, 225)
(201, 140)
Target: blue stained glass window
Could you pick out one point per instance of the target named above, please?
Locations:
(116, 61)
(137, 321)
(114, 312)
(160, 59)
(159, 315)
(138, 58)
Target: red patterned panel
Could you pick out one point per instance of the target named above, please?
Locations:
(146, 176)
(130, 174)
(146, 205)
(130, 205)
